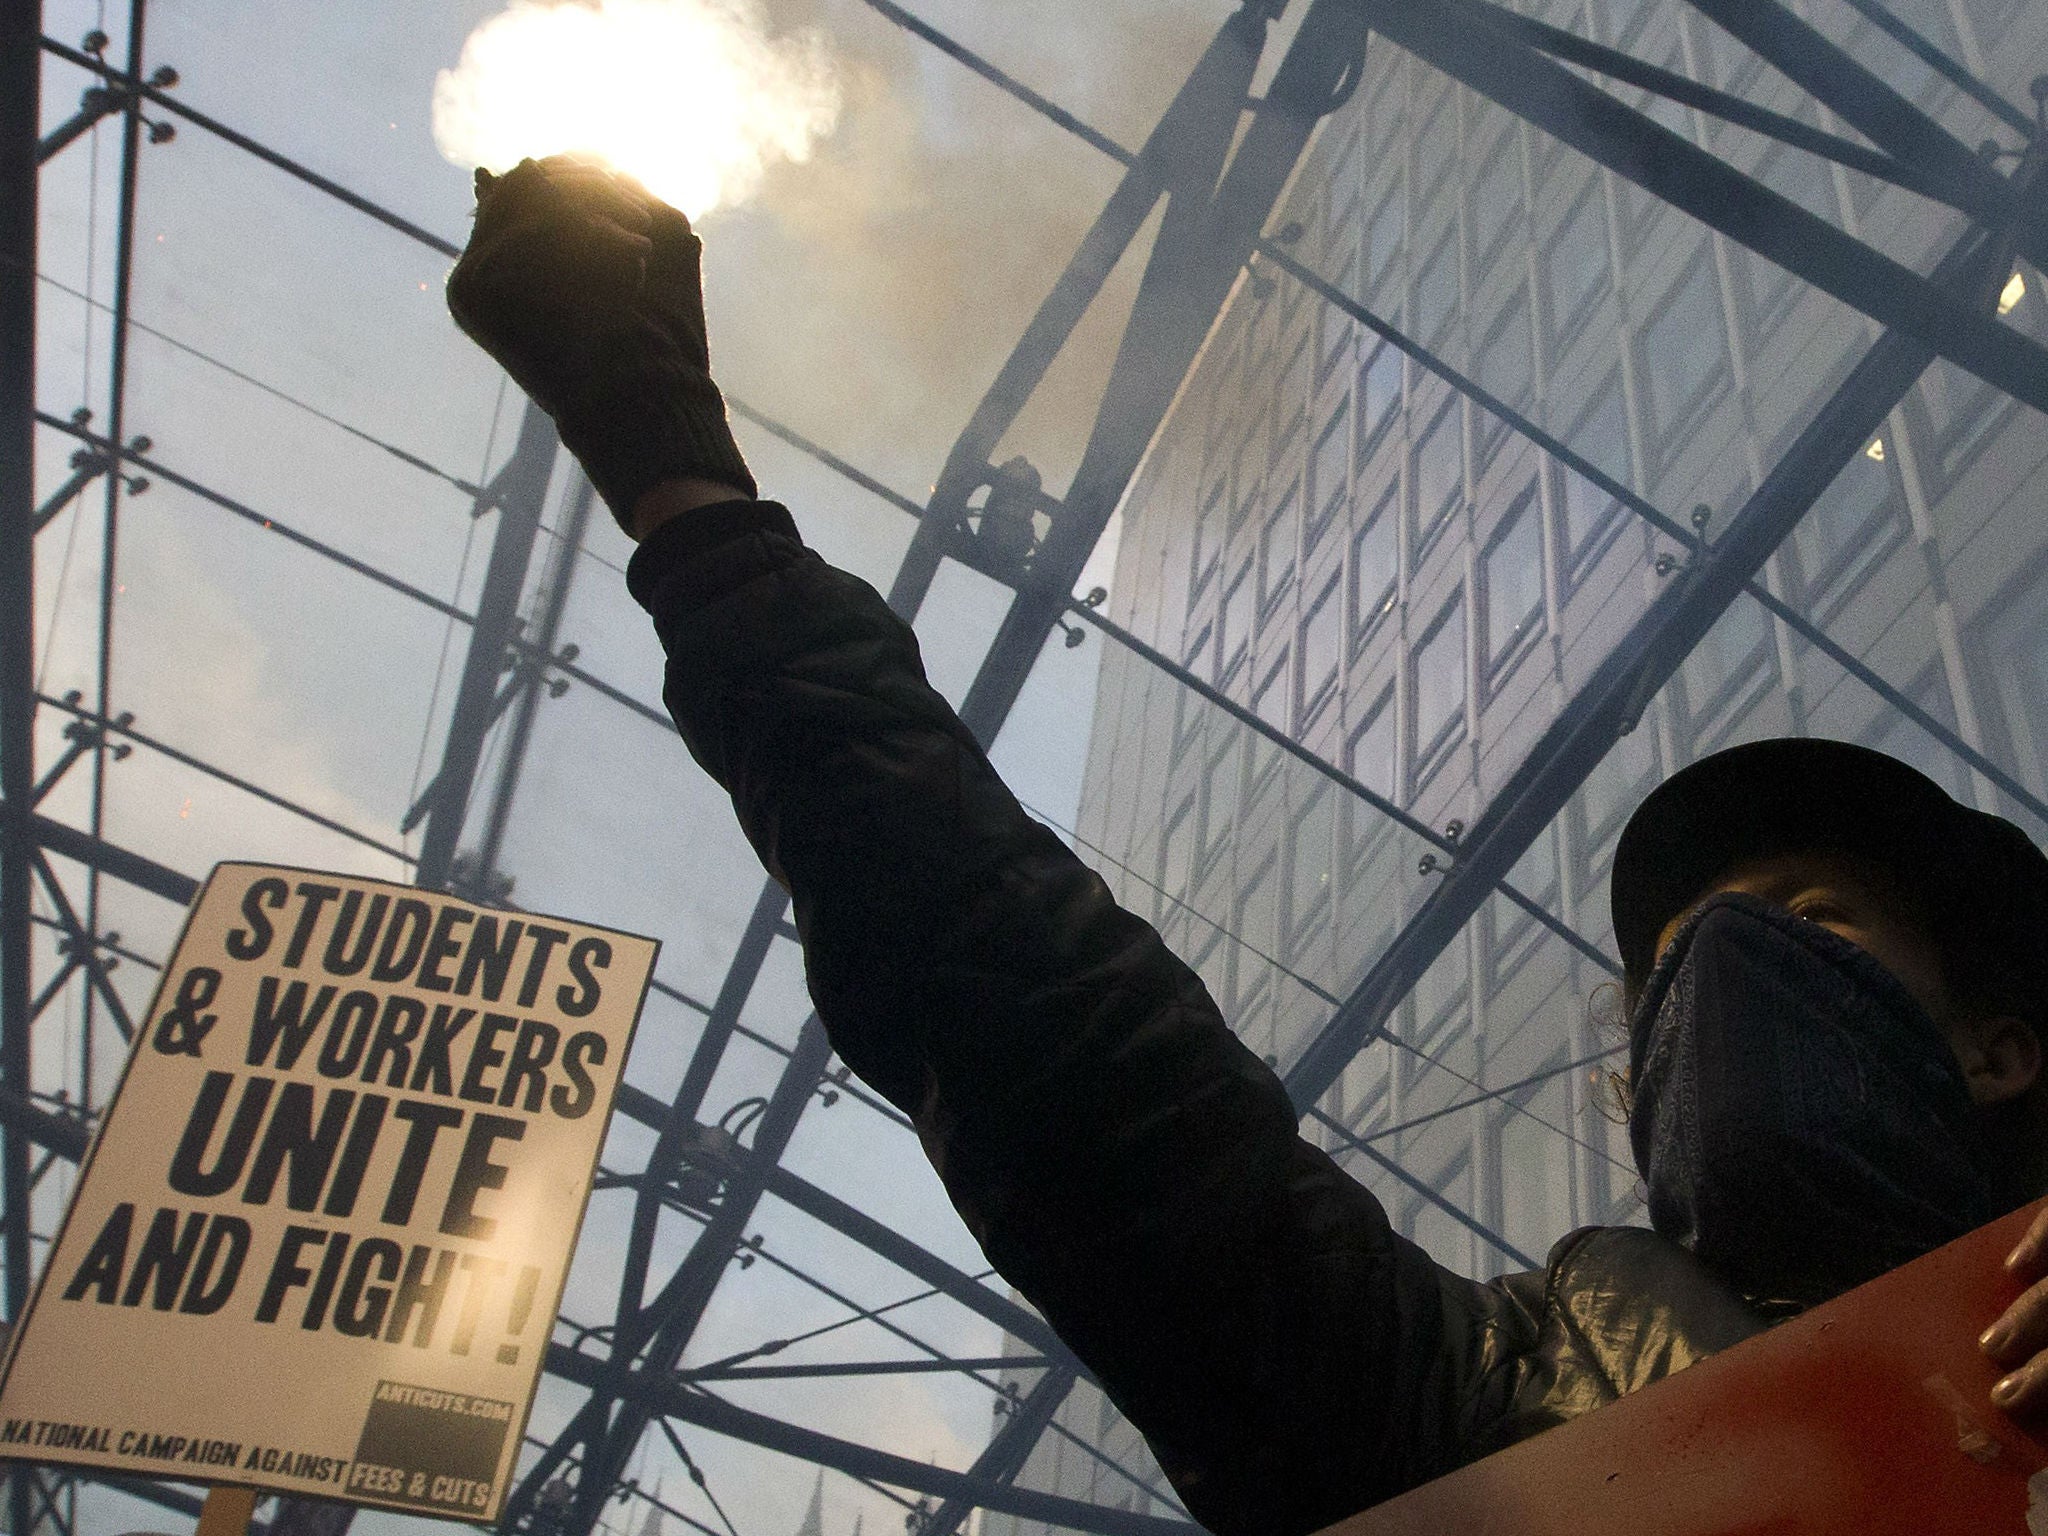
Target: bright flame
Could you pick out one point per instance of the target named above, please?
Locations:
(692, 97)
(2015, 290)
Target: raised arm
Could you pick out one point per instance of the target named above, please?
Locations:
(1124, 1162)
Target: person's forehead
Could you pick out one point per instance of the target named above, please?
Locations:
(1783, 873)
(1834, 865)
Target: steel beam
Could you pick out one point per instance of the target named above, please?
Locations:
(1614, 697)
(157, 95)
(84, 954)
(522, 498)
(825, 1368)
(1203, 244)
(214, 771)
(658, 1335)
(270, 524)
(61, 1134)
(1838, 81)
(106, 858)
(1643, 508)
(117, 410)
(1183, 155)
(1421, 1190)
(20, 105)
(1956, 75)
(1616, 65)
(919, 1263)
(99, 101)
(1007, 1450)
(69, 1137)
(655, 1395)
(558, 577)
(1347, 783)
(86, 466)
(1025, 1326)
(1466, 40)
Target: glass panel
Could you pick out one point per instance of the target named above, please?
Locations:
(1371, 756)
(1379, 396)
(1440, 683)
(1513, 576)
(1234, 625)
(1601, 437)
(1208, 538)
(1383, 239)
(1507, 360)
(1615, 786)
(1963, 414)
(1729, 658)
(1257, 926)
(1333, 325)
(1685, 347)
(1576, 265)
(1176, 856)
(1855, 521)
(1322, 647)
(1436, 292)
(1536, 1168)
(295, 357)
(1439, 474)
(1497, 198)
(1436, 147)
(1624, 18)
(1441, 1235)
(1375, 569)
(1291, 398)
(1900, 737)
(1276, 547)
(1329, 466)
(1311, 868)
(1234, 801)
(1990, 19)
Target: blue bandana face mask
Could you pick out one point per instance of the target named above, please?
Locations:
(1801, 1122)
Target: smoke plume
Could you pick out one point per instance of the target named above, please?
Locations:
(692, 97)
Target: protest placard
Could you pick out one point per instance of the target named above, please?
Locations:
(320, 1240)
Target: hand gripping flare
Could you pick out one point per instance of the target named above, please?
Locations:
(587, 290)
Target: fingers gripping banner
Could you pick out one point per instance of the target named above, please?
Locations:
(320, 1241)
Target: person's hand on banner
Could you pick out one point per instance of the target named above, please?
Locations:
(2018, 1341)
(586, 289)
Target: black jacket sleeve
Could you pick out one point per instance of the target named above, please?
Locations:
(1123, 1161)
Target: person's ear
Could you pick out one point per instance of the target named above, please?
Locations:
(2001, 1057)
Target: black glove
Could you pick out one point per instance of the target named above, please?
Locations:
(586, 289)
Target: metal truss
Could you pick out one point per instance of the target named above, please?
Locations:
(1219, 160)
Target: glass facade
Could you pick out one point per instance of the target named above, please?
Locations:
(1446, 588)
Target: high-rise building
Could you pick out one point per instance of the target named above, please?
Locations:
(1402, 583)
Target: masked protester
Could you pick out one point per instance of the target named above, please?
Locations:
(1833, 968)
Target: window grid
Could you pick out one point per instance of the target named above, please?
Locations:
(1375, 571)
(1439, 475)
(1329, 471)
(1322, 654)
(1511, 575)
(1438, 676)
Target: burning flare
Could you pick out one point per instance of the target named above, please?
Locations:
(692, 97)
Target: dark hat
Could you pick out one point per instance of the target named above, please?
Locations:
(1979, 873)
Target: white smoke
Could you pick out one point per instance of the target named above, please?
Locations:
(692, 97)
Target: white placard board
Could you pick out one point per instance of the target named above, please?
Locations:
(321, 1237)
